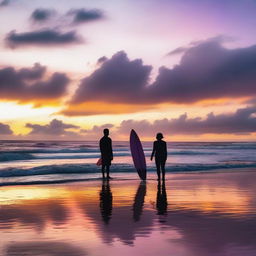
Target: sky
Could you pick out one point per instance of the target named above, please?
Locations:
(186, 68)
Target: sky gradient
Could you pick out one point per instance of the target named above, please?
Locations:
(184, 68)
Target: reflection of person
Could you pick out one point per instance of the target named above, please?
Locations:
(106, 202)
(139, 201)
(160, 153)
(161, 199)
(106, 153)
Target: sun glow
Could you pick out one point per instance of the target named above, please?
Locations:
(11, 110)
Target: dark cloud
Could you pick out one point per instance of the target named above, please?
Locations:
(83, 15)
(102, 59)
(96, 129)
(242, 121)
(55, 127)
(4, 3)
(5, 129)
(45, 37)
(178, 50)
(116, 80)
(27, 84)
(41, 15)
(36, 72)
(207, 71)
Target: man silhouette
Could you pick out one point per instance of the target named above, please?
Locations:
(106, 153)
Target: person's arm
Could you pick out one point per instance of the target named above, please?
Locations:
(101, 146)
(165, 150)
(153, 152)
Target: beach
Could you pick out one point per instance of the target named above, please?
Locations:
(128, 128)
(196, 213)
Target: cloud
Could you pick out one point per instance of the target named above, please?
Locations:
(242, 121)
(207, 71)
(44, 37)
(178, 50)
(5, 129)
(116, 80)
(58, 129)
(42, 15)
(83, 15)
(55, 127)
(36, 72)
(4, 3)
(101, 60)
(27, 84)
(96, 130)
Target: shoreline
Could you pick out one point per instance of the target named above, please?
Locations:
(151, 177)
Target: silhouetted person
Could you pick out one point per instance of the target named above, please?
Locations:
(161, 199)
(160, 153)
(139, 201)
(106, 201)
(106, 153)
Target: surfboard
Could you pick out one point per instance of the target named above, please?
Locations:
(138, 155)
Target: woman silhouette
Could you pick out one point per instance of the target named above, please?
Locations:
(160, 153)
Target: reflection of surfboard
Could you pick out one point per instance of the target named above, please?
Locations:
(139, 201)
(138, 155)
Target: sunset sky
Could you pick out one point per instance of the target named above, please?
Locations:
(186, 68)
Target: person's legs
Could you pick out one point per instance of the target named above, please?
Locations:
(163, 170)
(107, 171)
(158, 168)
(103, 171)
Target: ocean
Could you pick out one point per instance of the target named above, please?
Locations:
(35, 162)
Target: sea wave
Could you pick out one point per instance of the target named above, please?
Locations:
(12, 156)
(188, 152)
(42, 182)
(78, 154)
(118, 168)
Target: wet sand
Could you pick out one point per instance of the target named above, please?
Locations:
(211, 213)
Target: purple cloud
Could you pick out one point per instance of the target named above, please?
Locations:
(242, 121)
(42, 15)
(207, 70)
(44, 37)
(117, 79)
(5, 129)
(4, 3)
(178, 50)
(96, 129)
(27, 84)
(83, 15)
(55, 127)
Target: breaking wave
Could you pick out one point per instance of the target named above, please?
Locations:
(117, 168)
